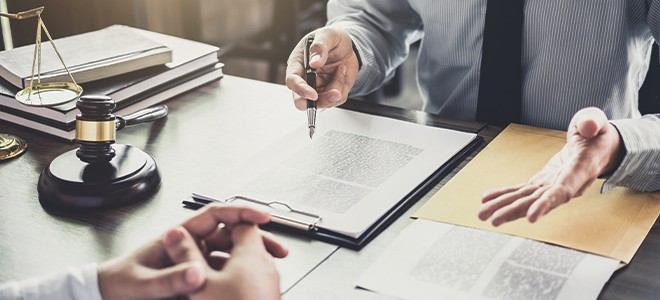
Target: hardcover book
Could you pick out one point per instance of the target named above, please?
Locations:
(187, 57)
(89, 56)
(144, 100)
(193, 64)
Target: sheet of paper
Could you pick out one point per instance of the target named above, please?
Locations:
(355, 169)
(434, 260)
(304, 256)
(611, 224)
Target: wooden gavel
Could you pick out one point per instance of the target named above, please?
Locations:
(96, 126)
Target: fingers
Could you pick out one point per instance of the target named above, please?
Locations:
(221, 240)
(179, 279)
(336, 90)
(331, 54)
(180, 246)
(568, 174)
(295, 81)
(517, 209)
(246, 239)
(334, 93)
(150, 273)
(206, 222)
(189, 272)
(218, 259)
(490, 195)
(299, 102)
(250, 262)
(324, 40)
(547, 202)
(505, 206)
(273, 247)
(532, 202)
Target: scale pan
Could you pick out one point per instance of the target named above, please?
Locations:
(11, 146)
(49, 94)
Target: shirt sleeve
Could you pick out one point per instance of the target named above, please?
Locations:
(78, 283)
(381, 32)
(640, 167)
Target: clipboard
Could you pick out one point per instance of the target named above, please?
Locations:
(290, 219)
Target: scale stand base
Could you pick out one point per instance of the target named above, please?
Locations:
(129, 177)
(11, 146)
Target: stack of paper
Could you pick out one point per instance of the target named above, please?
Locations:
(432, 259)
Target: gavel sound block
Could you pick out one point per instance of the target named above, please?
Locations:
(100, 174)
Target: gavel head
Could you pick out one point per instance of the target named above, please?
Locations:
(95, 129)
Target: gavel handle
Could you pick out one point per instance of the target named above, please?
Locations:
(142, 116)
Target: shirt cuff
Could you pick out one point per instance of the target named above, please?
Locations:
(639, 168)
(75, 283)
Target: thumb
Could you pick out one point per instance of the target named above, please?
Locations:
(180, 246)
(589, 122)
(179, 279)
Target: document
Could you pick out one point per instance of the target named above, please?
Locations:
(612, 224)
(434, 260)
(355, 169)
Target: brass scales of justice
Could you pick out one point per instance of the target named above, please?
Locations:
(38, 93)
(99, 174)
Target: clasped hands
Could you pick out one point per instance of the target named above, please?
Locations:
(218, 254)
(593, 146)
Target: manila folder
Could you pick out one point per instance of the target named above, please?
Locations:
(613, 223)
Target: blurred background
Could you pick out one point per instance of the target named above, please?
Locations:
(255, 36)
(253, 30)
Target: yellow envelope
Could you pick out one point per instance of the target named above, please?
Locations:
(611, 224)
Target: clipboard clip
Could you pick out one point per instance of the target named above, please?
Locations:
(280, 212)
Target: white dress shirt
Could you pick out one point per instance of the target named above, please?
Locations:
(575, 54)
(73, 284)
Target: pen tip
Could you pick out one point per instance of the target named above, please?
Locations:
(311, 132)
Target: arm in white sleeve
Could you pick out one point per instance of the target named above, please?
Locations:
(381, 31)
(74, 284)
(640, 167)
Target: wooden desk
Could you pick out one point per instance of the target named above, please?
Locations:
(208, 133)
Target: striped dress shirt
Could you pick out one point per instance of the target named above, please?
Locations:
(575, 54)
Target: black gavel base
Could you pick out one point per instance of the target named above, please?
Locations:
(128, 177)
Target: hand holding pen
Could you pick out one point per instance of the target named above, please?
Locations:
(331, 54)
(310, 77)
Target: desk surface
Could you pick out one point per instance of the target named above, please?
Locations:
(209, 132)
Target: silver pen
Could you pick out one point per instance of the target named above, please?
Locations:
(310, 76)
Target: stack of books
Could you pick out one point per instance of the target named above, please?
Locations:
(137, 68)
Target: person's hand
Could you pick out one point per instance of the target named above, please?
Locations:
(150, 272)
(239, 255)
(331, 54)
(241, 266)
(593, 148)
